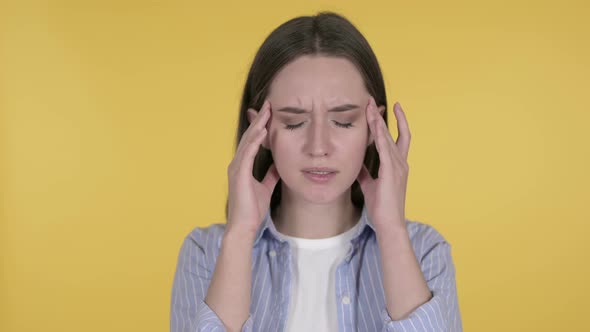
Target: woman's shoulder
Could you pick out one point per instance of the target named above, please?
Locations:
(422, 229)
(424, 236)
(207, 237)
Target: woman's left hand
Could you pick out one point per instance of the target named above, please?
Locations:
(385, 196)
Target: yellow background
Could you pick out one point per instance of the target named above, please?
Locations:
(118, 119)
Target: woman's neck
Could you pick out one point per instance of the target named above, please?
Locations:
(315, 221)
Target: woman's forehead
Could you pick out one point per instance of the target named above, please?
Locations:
(330, 79)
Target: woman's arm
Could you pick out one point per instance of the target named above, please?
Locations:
(229, 292)
(404, 284)
(419, 281)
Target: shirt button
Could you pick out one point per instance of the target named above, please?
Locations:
(345, 299)
(272, 253)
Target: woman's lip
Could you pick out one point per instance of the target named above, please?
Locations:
(319, 178)
(320, 170)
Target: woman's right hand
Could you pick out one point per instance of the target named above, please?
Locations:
(249, 199)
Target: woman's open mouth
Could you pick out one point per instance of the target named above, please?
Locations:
(319, 176)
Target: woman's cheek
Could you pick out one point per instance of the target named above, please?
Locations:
(278, 139)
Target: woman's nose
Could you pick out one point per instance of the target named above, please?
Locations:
(318, 139)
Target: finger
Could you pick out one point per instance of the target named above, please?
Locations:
(246, 162)
(404, 136)
(271, 178)
(383, 125)
(254, 128)
(380, 141)
(394, 150)
(260, 120)
(364, 178)
(395, 154)
(250, 135)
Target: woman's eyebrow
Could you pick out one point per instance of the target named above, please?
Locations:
(296, 110)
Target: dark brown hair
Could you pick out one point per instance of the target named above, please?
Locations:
(327, 34)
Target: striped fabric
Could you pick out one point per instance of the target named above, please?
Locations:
(359, 284)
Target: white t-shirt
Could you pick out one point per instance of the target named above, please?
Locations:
(312, 305)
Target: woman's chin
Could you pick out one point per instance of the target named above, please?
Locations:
(320, 194)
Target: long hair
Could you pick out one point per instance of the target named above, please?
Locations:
(327, 34)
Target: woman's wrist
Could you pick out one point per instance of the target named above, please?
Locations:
(239, 235)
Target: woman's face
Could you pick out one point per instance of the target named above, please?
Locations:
(318, 107)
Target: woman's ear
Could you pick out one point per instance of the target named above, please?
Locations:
(381, 110)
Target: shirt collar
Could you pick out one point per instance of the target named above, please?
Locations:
(268, 225)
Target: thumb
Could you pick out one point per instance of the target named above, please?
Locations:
(364, 178)
(271, 178)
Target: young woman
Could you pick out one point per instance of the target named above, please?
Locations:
(316, 237)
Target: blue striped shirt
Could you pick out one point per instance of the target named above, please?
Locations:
(358, 279)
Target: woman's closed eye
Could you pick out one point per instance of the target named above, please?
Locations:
(341, 125)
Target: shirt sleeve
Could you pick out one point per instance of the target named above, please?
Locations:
(441, 312)
(194, 269)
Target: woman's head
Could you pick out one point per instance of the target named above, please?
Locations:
(309, 68)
